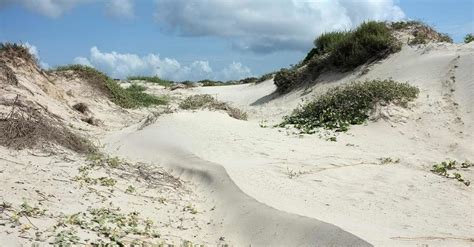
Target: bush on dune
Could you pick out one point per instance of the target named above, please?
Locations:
(206, 101)
(341, 51)
(343, 106)
(131, 97)
(469, 38)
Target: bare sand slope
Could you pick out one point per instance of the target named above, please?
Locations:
(344, 182)
(243, 220)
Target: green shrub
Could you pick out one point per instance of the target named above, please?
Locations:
(206, 101)
(286, 79)
(328, 41)
(342, 106)
(469, 38)
(246, 80)
(131, 97)
(154, 79)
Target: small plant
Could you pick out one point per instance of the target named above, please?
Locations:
(31, 211)
(388, 160)
(293, 174)
(66, 238)
(190, 209)
(130, 190)
(263, 124)
(341, 107)
(469, 38)
(106, 181)
(444, 167)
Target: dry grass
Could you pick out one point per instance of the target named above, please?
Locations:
(13, 51)
(26, 127)
(7, 75)
(206, 101)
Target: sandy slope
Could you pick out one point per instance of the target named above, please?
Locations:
(343, 182)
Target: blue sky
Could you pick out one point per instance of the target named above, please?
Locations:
(217, 39)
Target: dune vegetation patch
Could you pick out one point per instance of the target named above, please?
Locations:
(13, 51)
(421, 32)
(206, 101)
(450, 169)
(152, 79)
(347, 105)
(26, 127)
(131, 97)
(468, 38)
(341, 51)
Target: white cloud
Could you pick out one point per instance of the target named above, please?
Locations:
(50, 8)
(269, 25)
(121, 65)
(56, 8)
(82, 61)
(34, 51)
(120, 8)
(234, 71)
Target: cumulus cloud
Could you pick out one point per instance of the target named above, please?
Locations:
(269, 25)
(50, 8)
(34, 51)
(121, 65)
(56, 8)
(120, 8)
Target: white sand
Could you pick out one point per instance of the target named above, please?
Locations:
(343, 182)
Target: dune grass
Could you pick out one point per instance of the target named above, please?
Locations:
(206, 101)
(153, 79)
(14, 50)
(131, 97)
(341, 51)
(343, 106)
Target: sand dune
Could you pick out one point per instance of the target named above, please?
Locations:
(343, 182)
(212, 179)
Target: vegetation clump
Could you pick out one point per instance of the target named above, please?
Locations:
(131, 97)
(153, 79)
(206, 101)
(343, 106)
(421, 32)
(117, 227)
(12, 51)
(341, 51)
(444, 167)
(469, 38)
